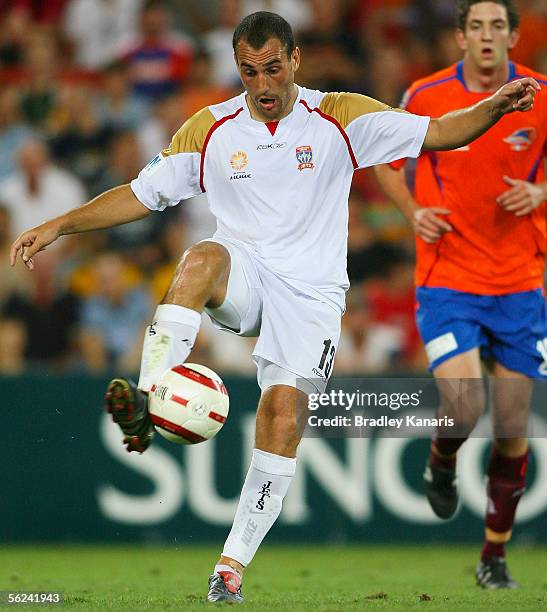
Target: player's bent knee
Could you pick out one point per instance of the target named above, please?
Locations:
(203, 273)
(206, 259)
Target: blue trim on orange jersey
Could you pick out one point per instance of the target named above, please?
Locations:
(524, 76)
(534, 171)
(459, 73)
(434, 164)
(427, 85)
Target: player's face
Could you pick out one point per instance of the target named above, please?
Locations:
(487, 37)
(268, 77)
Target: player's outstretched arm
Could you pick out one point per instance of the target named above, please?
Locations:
(426, 221)
(113, 207)
(459, 128)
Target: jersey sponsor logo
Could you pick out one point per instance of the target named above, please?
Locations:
(522, 139)
(271, 146)
(304, 157)
(154, 165)
(239, 161)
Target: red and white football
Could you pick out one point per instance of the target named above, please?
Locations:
(189, 404)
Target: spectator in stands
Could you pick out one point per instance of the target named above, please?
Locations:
(368, 256)
(140, 241)
(156, 132)
(15, 28)
(200, 90)
(391, 301)
(13, 131)
(41, 12)
(159, 60)
(38, 190)
(388, 73)
(12, 347)
(49, 314)
(98, 28)
(37, 77)
(11, 280)
(40, 73)
(360, 349)
(332, 56)
(76, 137)
(217, 42)
(112, 320)
(298, 14)
(116, 106)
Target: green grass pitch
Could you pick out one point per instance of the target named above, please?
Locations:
(295, 579)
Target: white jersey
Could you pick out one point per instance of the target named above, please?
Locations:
(284, 195)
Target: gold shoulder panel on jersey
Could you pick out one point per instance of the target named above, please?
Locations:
(191, 136)
(345, 107)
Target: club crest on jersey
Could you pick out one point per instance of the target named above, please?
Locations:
(522, 139)
(304, 157)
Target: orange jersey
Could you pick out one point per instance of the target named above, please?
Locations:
(490, 251)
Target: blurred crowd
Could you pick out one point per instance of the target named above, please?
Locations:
(93, 89)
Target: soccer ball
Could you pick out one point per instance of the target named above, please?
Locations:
(189, 404)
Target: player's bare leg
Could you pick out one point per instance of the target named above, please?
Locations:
(506, 472)
(460, 385)
(200, 280)
(201, 277)
(280, 423)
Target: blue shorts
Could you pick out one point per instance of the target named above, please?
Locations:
(511, 328)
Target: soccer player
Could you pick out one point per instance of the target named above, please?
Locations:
(276, 162)
(479, 216)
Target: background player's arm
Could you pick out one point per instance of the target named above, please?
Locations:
(113, 207)
(459, 128)
(425, 220)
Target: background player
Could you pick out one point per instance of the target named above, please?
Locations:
(479, 215)
(276, 265)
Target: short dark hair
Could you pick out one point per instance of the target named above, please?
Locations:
(463, 6)
(259, 27)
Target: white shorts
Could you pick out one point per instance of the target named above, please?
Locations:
(297, 334)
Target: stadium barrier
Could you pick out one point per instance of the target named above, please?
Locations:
(66, 477)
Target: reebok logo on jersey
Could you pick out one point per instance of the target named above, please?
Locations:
(304, 157)
(522, 139)
(271, 145)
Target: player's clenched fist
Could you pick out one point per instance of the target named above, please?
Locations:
(516, 96)
(32, 241)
